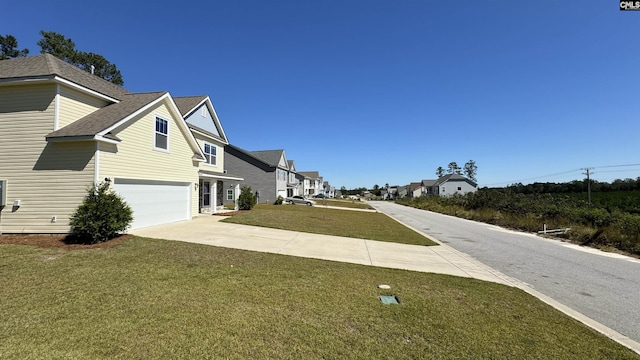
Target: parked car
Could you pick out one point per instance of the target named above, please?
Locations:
(299, 200)
(320, 196)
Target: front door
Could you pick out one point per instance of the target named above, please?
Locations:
(205, 194)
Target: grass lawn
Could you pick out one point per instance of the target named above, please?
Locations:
(343, 203)
(150, 299)
(356, 224)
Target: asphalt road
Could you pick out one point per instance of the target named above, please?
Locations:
(602, 286)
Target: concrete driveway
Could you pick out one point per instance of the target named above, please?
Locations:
(440, 259)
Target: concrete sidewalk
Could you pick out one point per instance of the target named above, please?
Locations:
(440, 259)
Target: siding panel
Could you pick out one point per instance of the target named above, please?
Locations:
(49, 179)
(75, 105)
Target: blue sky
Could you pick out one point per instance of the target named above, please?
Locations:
(374, 92)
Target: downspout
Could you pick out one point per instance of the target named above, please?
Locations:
(56, 111)
(96, 164)
(236, 195)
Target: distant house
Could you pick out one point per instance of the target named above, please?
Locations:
(312, 183)
(402, 191)
(265, 171)
(455, 184)
(415, 189)
(294, 183)
(444, 186)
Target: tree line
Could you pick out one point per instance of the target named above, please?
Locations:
(64, 49)
(469, 170)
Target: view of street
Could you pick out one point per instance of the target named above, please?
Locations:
(602, 286)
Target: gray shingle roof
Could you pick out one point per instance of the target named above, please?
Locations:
(187, 103)
(310, 174)
(271, 157)
(107, 116)
(48, 66)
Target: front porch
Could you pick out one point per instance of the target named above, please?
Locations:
(217, 190)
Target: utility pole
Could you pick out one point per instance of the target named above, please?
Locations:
(588, 173)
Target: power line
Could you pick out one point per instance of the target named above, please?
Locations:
(568, 172)
(535, 178)
(610, 166)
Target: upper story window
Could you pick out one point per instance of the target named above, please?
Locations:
(210, 153)
(292, 178)
(162, 134)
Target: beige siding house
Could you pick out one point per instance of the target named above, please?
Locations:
(62, 129)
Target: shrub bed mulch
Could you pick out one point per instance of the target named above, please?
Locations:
(56, 241)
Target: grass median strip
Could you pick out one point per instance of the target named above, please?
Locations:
(163, 299)
(356, 224)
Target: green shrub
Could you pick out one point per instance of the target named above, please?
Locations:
(246, 200)
(279, 200)
(102, 216)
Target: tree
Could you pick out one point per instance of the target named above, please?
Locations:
(470, 170)
(8, 48)
(102, 67)
(246, 199)
(453, 168)
(65, 49)
(440, 171)
(58, 46)
(376, 190)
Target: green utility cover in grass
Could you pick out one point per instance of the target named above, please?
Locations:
(389, 299)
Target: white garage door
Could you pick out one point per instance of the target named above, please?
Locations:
(156, 202)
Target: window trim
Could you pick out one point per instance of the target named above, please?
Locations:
(156, 133)
(229, 194)
(215, 156)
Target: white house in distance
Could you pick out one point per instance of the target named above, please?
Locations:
(447, 185)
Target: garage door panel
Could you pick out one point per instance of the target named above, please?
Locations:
(155, 203)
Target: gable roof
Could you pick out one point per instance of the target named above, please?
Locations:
(100, 124)
(414, 185)
(189, 104)
(428, 183)
(271, 157)
(455, 177)
(49, 67)
(104, 118)
(310, 174)
(292, 166)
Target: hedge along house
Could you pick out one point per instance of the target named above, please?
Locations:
(216, 187)
(63, 129)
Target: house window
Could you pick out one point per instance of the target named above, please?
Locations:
(162, 134)
(210, 153)
(229, 194)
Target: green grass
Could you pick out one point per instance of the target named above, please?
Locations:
(356, 224)
(150, 299)
(343, 203)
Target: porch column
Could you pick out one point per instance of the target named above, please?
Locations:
(236, 195)
(213, 195)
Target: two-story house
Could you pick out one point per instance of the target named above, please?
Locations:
(63, 129)
(265, 171)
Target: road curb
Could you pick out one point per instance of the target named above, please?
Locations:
(601, 328)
